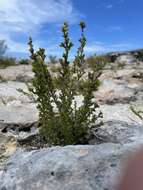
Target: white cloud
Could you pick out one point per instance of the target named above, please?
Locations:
(121, 45)
(109, 6)
(114, 28)
(27, 16)
(102, 47)
(13, 45)
(95, 48)
(115, 4)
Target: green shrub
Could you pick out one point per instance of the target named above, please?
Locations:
(24, 62)
(62, 121)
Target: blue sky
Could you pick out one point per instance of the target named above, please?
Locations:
(112, 25)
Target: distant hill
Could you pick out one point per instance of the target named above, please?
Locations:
(137, 54)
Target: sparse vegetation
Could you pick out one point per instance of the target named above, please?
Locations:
(120, 65)
(24, 62)
(117, 66)
(61, 120)
(52, 59)
(97, 63)
(7, 61)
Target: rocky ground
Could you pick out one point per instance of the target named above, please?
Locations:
(91, 167)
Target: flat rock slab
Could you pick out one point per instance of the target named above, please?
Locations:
(21, 73)
(9, 92)
(111, 92)
(7, 148)
(69, 168)
(119, 132)
(121, 112)
(120, 86)
(18, 115)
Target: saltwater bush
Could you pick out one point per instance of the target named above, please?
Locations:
(61, 120)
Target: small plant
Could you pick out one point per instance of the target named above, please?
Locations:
(62, 121)
(138, 113)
